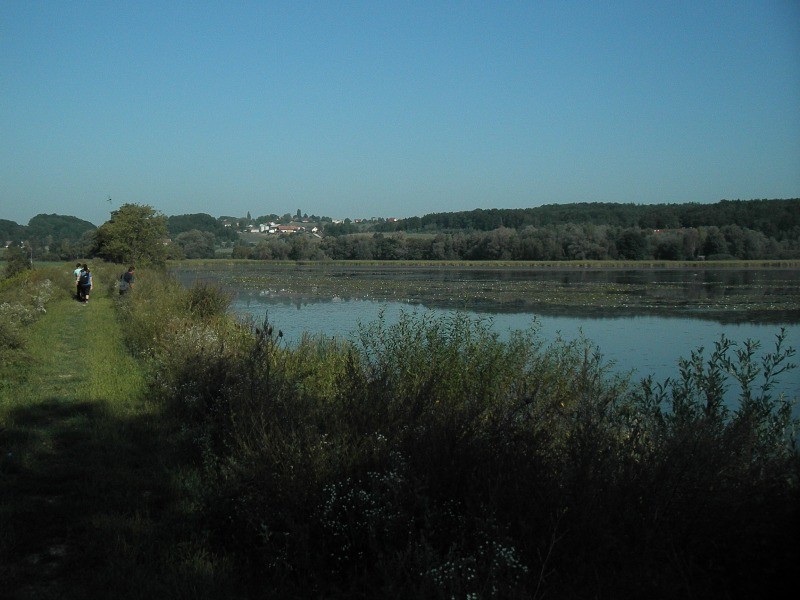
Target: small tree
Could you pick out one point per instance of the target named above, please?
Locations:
(134, 235)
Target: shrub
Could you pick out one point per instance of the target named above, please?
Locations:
(205, 301)
(17, 261)
(10, 331)
(29, 292)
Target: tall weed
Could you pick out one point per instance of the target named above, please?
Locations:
(23, 298)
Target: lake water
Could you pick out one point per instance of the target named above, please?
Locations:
(645, 344)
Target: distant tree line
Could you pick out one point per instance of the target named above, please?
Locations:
(197, 236)
(779, 219)
(552, 243)
(50, 237)
(752, 229)
(134, 234)
(59, 237)
(178, 224)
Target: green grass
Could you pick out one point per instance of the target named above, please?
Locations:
(90, 502)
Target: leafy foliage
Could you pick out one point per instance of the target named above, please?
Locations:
(135, 234)
(195, 244)
(17, 261)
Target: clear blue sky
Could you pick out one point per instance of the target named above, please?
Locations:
(393, 109)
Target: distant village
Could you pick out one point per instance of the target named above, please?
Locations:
(273, 227)
(303, 225)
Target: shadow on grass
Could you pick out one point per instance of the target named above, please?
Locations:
(90, 507)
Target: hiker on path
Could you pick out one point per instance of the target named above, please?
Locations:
(77, 274)
(126, 281)
(85, 283)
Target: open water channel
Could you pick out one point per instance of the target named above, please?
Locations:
(642, 321)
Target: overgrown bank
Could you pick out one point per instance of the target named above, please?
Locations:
(432, 460)
(428, 460)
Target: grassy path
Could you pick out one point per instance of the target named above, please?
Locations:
(85, 489)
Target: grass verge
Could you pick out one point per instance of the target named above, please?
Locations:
(89, 504)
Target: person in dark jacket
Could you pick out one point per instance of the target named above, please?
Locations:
(126, 281)
(85, 283)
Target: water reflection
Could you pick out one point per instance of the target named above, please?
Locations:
(766, 295)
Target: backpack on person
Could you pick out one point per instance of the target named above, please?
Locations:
(84, 279)
(123, 283)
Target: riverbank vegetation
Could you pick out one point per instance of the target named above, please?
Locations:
(425, 459)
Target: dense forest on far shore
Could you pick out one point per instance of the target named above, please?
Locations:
(552, 243)
(773, 218)
(729, 229)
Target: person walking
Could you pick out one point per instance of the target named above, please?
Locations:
(85, 283)
(77, 274)
(126, 281)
